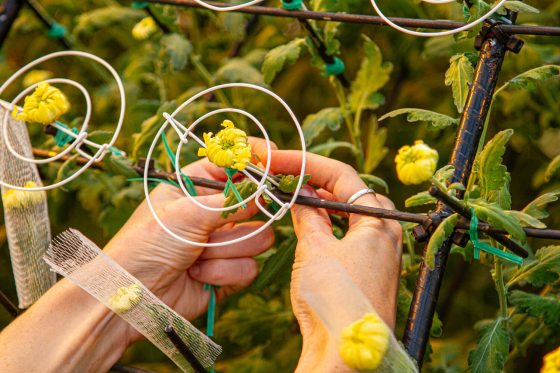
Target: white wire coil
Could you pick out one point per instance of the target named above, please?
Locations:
(185, 133)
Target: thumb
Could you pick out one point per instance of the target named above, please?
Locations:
(311, 223)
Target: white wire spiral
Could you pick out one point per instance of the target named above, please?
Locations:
(227, 8)
(185, 133)
(439, 33)
(81, 136)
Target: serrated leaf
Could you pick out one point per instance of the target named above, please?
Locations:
(537, 207)
(420, 115)
(119, 165)
(545, 307)
(459, 76)
(543, 269)
(526, 220)
(422, 198)
(288, 183)
(496, 216)
(278, 263)
(492, 174)
(239, 70)
(149, 129)
(175, 51)
(276, 59)
(442, 233)
(552, 168)
(314, 124)
(100, 136)
(328, 147)
(519, 7)
(245, 189)
(66, 169)
(528, 78)
(103, 18)
(372, 76)
(375, 150)
(375, 182)
(490, 355)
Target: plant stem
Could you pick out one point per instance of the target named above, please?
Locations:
(526, 342)
(501, 287)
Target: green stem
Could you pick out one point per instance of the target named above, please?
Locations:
(500, 287)
(522, 347)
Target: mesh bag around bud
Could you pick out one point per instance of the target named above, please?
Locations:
(74, 256)
(25, 214)
(338, 301)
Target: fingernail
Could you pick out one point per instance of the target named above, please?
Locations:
(195, 270)
(308, 191)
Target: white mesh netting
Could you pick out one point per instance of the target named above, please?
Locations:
(26, 216)
(74, 256)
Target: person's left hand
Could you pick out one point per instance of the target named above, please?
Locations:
(175, 271)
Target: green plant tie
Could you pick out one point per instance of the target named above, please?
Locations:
(140, 4)
(116, 151)
(292, 4)
(230, 172)
(56, 31)
(187, 180)
(211, 310)
(62, 138)
(337, 67)
(478, 245)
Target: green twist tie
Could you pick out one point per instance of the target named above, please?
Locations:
(211, 316)
(230, 172)
(188, 182)
(116, 151)
(56, 31)
(337, 67)
(61, 138)
(140, 4)
(292, 4)
(478, 245)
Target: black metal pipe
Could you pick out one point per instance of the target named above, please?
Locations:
(10, 307)
(471, 126)
(9, 11)
(184, 349)
(367, 19)
(48, 21)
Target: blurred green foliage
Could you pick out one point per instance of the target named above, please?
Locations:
(389, 71)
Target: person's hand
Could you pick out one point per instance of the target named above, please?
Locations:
(370, 252)
(176, 271)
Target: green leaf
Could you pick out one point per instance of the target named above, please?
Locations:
(375, 150)
(496, 216)
(519, 7)
(279, 57)
(490, 355)
(328, 147)
(66, 169)
(459, 76)
(526, 220)
(375, 182)
(492, 174)
(119, 165)
(277, 264)
(104, 18)
(239, 70)
(314, 124)
(422, 198)
(537, 208)
(288, 183)
(420, 115)
(444, 173)
(149, 129)
(372, 76)
(543, 269)
(175, 51)
(442, 233)
(553, 166)
(245, 189)
(545, 307)
(528, 78)
(100, 136)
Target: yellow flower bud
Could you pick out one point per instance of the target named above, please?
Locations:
(125, 298)
(364, 343)
(416, 164)
(36, 76)
(228, 148)
(551, 362)
(144, 29)
(45, 105)
(16, 199)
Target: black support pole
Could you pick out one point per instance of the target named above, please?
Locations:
(425, 297)
(9, 11)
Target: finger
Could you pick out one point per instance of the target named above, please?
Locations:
(311, 223)
(255, 246)
(238, 272)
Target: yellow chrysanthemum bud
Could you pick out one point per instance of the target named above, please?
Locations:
(144, 29)
(416, 164)
(36, 76)
(16, 199)
(364, 343)
(45, 105)
(551, 362)
(228, 148)
(125, 298)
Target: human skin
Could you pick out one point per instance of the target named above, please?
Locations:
(67, 330)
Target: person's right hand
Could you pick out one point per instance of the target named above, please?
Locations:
(370, 252)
